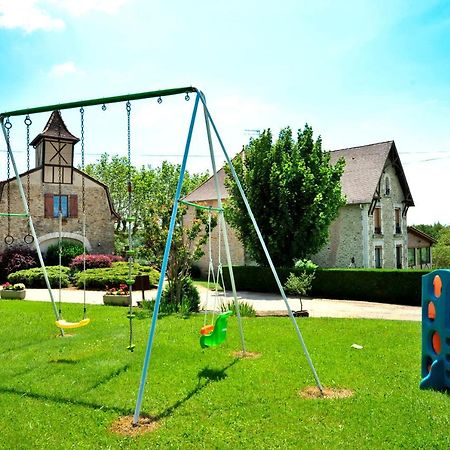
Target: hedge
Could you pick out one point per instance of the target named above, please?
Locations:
(34, 278)
(401, 287)
(99, 279)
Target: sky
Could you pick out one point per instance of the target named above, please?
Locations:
(357, 71)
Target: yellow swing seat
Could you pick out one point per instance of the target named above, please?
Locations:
(68, 325)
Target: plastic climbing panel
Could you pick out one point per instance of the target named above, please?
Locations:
(436, 330)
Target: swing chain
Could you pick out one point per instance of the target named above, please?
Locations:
(104, 107)
(83, 186)
(159, 100)
(8, 239)
(83, 207)
(130, 252)
(186, 97)
(28, 238)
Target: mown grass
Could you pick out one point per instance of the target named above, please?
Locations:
(65, 393)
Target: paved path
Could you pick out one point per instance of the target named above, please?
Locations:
(264, 304)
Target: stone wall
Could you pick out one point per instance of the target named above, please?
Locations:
(345, 240)
(352, 234)
(389, 238)
(236, 248)
(99, 220)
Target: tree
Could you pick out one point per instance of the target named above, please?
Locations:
(153, 191)
(161, 192)
(294, 193)
(441, 251)
(187, 248)
(431, 230)
(114, 174)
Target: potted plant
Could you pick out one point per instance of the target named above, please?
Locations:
(118, 296)
(13, 291)
(299, 285)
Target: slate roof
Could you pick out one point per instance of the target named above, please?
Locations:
(55, 128)
(363, 168)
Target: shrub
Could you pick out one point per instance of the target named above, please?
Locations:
(93, 261)
(113, 276)
(305, 265)
(17, 258)
(190, 299)
(299, 285)
(69, 249)
(34, 278)
(245, 308)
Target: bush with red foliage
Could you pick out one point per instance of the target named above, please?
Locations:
(17, 258)
(93, 261)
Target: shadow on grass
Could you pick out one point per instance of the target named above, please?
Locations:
(21, 347)
(109, 377)
(210, 375)
(64, 361)
(64, 401)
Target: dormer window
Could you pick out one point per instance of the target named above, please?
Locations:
(387, 186)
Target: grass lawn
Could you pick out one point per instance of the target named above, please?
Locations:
(65, 393)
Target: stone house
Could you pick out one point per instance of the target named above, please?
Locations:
(370, 230)
(56, 185)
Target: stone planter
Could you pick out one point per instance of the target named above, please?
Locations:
(116, 300)
(9, 294)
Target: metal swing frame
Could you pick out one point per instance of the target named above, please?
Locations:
(199, 98)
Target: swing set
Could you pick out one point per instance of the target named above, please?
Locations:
(214, 333)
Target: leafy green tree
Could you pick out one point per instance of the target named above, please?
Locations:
(441, 251)
(160, 186)
(431, 230)
(294, 193)
(114, 173)
(187, 248)
(153, 192)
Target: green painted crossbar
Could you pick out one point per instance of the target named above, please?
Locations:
(14, 215)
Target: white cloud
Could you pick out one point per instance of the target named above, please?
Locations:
(32, 15)
(60, 70)
(26, 15)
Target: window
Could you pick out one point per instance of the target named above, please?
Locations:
(377, 220)
(378, 257)
(398, 221)
(425, 255)
(411, 257)
(398, 256)
(387, 186)
(67, 203)
(60, 203)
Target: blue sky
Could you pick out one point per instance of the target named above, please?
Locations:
(358, 71)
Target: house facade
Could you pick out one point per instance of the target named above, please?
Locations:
(370, 230)
(55, 186)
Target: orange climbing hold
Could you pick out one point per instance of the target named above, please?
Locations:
(436, 342)
(437, 284)
(431, 311)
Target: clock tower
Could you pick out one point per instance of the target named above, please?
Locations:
(54, 151)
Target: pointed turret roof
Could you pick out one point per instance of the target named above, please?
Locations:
(56, 129)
